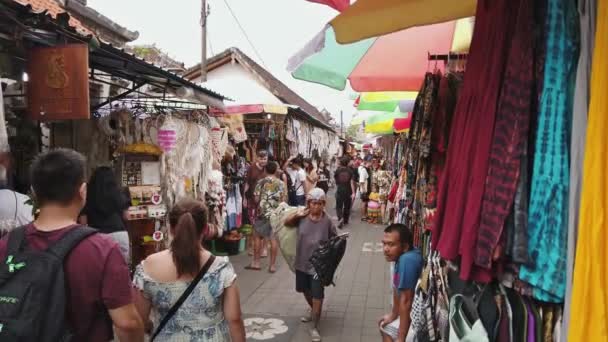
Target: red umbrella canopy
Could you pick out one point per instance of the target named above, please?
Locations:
(338, 5)
(395, 62)
(398, 61)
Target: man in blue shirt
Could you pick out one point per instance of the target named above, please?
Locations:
(398, 248)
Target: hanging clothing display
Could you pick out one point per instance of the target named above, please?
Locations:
(510, 137)
(548, 214)
(589, 296)
(500, 216)
(4, 147)
(418, 156)
(587, 15)
(234, 207)
(462, 185)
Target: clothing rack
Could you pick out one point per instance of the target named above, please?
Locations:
(448, 57)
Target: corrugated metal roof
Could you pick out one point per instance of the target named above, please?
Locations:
(106, 58)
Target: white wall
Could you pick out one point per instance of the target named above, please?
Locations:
(234, 81)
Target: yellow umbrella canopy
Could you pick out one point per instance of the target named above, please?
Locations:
(373, 18)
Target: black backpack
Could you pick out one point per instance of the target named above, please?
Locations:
(32, 289)
(292, 191)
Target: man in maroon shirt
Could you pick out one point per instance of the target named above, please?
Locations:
(98, 286)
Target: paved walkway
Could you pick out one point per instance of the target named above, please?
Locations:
(351, 309)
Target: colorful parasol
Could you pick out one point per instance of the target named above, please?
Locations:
(338, 5)
(373, 18)
(402, 125)
(383, 123)
(396, 62)
(387, 101)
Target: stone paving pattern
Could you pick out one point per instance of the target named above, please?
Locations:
(351, 309)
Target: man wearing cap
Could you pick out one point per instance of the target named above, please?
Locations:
(314, 227)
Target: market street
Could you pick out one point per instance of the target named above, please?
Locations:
(351, 309)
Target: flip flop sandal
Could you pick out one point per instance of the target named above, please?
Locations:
(251, 268)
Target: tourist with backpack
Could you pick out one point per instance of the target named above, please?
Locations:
(345, 192)
(61, 280)
(189, 294)
(296, 178)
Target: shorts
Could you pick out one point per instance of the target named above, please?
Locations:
(307, 284)
(263, 228)
(392, 329)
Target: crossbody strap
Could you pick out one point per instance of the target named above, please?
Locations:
(16, 205)
(183, 297)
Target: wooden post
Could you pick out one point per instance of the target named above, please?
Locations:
(204, 40)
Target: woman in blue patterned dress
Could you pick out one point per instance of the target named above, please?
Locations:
(212, 311)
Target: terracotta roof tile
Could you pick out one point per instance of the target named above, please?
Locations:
(53, 8)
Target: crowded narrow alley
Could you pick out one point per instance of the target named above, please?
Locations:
(303, 170)
(362, 295)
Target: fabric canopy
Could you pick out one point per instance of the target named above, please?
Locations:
(383, 123)
(387, 101)
(338, 5)
(361, 116)
(396, 62)
(402, 125)
(373, 18)
(332, 65)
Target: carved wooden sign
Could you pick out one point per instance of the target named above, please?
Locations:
(58, 87)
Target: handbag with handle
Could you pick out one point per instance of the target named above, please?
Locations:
(183, 297)
(465, 325)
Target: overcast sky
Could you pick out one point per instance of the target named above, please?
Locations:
(277, 29)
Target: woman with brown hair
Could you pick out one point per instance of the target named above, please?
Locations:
(311, 175)
(211, 311)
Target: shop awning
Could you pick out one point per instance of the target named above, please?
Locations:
(118, 62)
(295, 111)
(373, 18)
(251, 109)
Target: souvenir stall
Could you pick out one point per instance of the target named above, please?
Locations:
(162, 155)
(311, 140)
(485, 180)
(114, 108)
(283, 131)
(492, 179)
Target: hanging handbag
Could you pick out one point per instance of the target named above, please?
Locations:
(417, 313)
(183, 297)
(465, 324)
